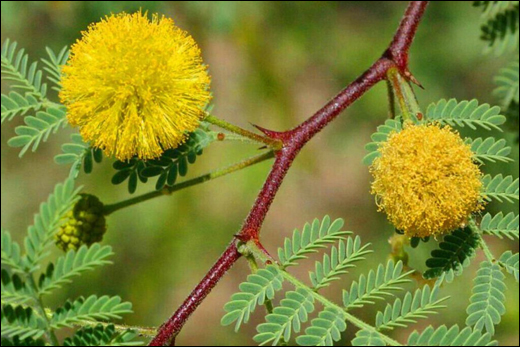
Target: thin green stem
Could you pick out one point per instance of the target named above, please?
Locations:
(272, 143)
(41, 308)
(391, 100)
(141, 331)
(253, 266)
(260, 255)
(109, 209)
(403, 92)
(483, 244)
(238, 138)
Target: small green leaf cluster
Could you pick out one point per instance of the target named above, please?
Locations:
(29, 278)
(172, 164)
(500, 28)
(29, 98)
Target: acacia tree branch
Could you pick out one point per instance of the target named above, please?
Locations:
(293, 141)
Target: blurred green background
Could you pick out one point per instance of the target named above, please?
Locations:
(272, 64)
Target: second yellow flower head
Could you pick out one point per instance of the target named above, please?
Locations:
(426, 180)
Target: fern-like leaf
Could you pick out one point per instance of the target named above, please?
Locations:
(14, 290)
(324, 330)
(501, 32)
(491, 150)
(487, 302)
(491, 9)
(54, 64)
(46, 223)
(16, 104)
(102, 336)
(172, 164)
(383, 133)
(409, 310)
(11, 253)
(22, 323)
(466, 114)
(73, 264)
(79, 155)
(286, 318)
(510, 262)
(90, 309)
(38, 129)
(341, 259)
(313, 237)
(501, 226)
(450, 337)
(500, 188)
(453, 254)
(23, 75)
(507, 85)
(368, 338)
(378, 285)
(255, 291)
(26, 342)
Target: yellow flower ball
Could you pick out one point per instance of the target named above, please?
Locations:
(426, 180)
(135, 87)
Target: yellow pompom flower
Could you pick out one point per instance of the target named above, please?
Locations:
(135, 87)
(426, 180)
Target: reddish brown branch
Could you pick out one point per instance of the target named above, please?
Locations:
(170, 329)
(294, 140)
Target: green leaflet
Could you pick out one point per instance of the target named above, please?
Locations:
(311, 239)
(377, 285)
(450, 337)
(324, 330)
(410, 309)
(466, 114)
(510, 262)
(487, 302)
(41, 234)
(102, 336)
(341, 259)
(38, 129)
(453, 254)
(293, 311)
(500, 188)
(16, 104)
(53, 65)
(380, 136)
(172, 164)
(491, 150)
(14, 289)
(255, 291)
(367, 338)
(90, 309)
(11, 252)
(22, 323)
(500, 225)
(73, 264)
(507, 90)
(23, 76)
(501, 31)
(79, 155)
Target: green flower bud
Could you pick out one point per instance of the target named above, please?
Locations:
(85, 224)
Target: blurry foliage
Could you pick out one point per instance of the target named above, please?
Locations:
(274, 63)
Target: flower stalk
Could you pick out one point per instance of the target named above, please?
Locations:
(109, 209)
(262, 140)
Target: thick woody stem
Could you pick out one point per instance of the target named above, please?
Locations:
(169, 331)
(293, 141)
